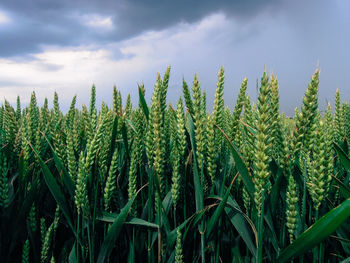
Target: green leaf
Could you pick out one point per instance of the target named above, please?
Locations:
(197, 185)
(110, 218)
(218, 211)
(320, 230)
(241, 167)
(55, 190)
(18, 217)
(241, 223)
(249, 128)
(278, 187)
(125, 139)
(114, 231)
(347, 260)
(344, 159)
(72, 255)
(167, 203)
(171, 236)
(345, 191)
(67, 179)
(113, 139)
(143, 104)
(141, 222)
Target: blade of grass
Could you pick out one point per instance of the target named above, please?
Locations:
(143, 104)
(67, 179)
(197, 185)
(198, 188)
(218, 211)
(56, 192)
(344, 159)
(320, 230)
(241, 167)
(115, 229)
(345, 191)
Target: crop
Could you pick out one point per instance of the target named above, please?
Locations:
(159, 183)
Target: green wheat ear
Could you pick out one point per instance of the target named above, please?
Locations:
(338, 119)
(187, 96)
(198, 121)
(277, 140)
(291, 211)
(71, 160)
(218, 109)
(248, 148)
(81, 195)
(158, 139)
(46, 245)
(306, 119)
(178, 247)
(132, 189)
(117, 101)
(4, 192)
(11, 125)
(262, 173)
(25, 252)
(346, 114)
(328, 149)
(175, 187)
(182, 143)
(235, 127)
(71, 113)
(318, 178)
(211, 161)
(111, 187)
(92, 107)
(18, 109)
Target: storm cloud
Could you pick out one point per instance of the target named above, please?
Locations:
(34, 24)
(66, 46)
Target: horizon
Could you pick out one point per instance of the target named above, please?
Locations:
(66, 47)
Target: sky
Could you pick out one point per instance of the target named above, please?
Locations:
(66, 46)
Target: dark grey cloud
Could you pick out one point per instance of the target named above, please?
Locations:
(38, 23)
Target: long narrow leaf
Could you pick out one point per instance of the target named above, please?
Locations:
(345, 191)
(241, 167)
(55, 190)
(143, 104)
(197, 185)
(344, 159)
(218, 211)
(320, 230)
(114, 231)
(67, 179)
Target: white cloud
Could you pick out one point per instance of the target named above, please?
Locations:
(97, 21)
(72, 71)
(202, 47)
(4, 19)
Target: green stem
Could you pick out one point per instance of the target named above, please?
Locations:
(89, 241)
(150, 213)
(77, 243)
(159, 229)
(132, 248)
(316, 249)
(218, 243)
(202, 244)
(260, 231)
(82, 236)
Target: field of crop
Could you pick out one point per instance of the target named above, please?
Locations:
(173, 183)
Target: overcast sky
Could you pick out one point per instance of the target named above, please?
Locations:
(66, 46)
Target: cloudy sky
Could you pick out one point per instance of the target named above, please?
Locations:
(66, 46)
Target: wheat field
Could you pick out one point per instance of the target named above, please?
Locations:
(156, 182)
